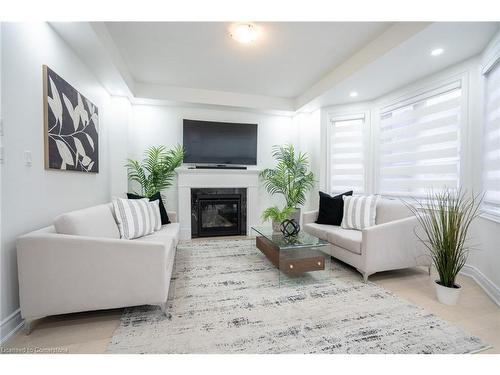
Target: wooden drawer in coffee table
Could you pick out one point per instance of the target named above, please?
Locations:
(292, 262)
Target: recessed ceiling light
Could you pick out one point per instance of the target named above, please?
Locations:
(245, 33)
(353, 94)
(437, 51)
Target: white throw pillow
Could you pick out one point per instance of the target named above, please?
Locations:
(359, 212)
(154, 209)
(133, 217)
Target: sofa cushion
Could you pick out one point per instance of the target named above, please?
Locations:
(96, 221)
(154, 210)
(359, 212)
(331, 209)
(345, 238)
(155, 197)
(172, 230)
(390, 210)
(167, 232)
(348, 239)
(318, 230)
(133, 217)
(159, 237)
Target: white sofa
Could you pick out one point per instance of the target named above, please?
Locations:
(390, 244)
(81, 264)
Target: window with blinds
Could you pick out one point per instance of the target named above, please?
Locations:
(419, 143)
(347, 170)
(491, 142)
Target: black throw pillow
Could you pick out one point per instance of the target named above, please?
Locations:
(331, 209)
(154, 197)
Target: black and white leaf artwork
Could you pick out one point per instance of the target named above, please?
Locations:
(71, 127)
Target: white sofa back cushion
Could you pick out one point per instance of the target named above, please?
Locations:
(96, 221)
(390, 210)
(134, 217)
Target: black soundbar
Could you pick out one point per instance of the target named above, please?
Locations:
(218, 166)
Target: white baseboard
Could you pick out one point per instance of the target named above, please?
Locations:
(491, 289)
(10, 325)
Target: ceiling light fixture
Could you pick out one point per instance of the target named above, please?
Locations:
(353, 94)
(245, 33)
(437, 51)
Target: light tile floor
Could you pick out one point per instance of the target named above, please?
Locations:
(90, 332)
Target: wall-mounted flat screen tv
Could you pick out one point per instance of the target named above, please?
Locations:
(209, 142)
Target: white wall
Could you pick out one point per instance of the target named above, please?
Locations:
(309, 141)
(32, 196)
(484, 262)
(162, 125)
(120, 111)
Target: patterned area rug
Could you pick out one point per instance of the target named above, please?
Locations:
(226, 300)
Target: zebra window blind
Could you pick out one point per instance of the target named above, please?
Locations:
(347, 154)
(419, 143)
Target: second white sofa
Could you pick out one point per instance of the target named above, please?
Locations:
(81, 264)
(390, 244)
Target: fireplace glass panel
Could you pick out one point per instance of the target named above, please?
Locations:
(219, 215)
(218, 212)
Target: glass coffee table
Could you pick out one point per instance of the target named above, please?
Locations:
(299, 258)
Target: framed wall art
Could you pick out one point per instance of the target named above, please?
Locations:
(71, 124)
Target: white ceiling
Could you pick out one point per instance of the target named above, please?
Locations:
(288, 58)
(296, 66)
(411, 60)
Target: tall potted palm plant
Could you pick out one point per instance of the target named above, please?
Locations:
(445, 218)
(156, 171)
(290, 178)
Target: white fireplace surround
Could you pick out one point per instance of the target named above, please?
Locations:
(189, 177)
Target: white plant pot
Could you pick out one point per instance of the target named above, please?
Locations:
(448, 296)
(276, 226)
(296, 215)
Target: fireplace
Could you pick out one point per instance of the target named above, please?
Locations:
(218, 212)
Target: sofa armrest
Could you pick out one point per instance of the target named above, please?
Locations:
(393, 245)
(309, 217)
(62, 273)
(172, 215)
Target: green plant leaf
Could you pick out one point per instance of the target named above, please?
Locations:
(274, 213)
(156, 172)
(290, 177)
(445, 218)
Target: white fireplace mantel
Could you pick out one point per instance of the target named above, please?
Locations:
(189, 178)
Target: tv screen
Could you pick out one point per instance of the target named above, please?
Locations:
(208, 142)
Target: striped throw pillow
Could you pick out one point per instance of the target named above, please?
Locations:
(133, 217)
(359, 212)
(154, 209)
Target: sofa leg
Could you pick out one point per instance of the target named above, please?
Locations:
(365, 277)
(28, 326)
(163, 307)
(364, 274)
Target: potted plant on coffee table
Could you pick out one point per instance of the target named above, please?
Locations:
(445, 218)
(290, 178)
(277, 216)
